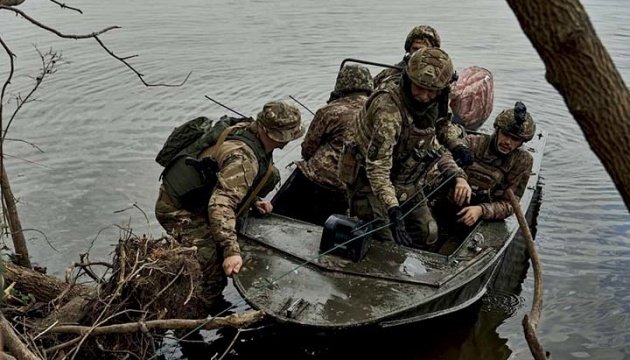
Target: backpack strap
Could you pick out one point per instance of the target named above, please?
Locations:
(254, 193)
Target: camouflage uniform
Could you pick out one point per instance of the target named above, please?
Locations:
(397, 143)
(421, 32)
(316, 181)
(213, 229)
(493, 173)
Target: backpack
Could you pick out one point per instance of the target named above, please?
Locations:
(193, 136)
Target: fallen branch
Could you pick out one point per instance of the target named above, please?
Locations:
(13, 342)
(530, 322)
(236, 321)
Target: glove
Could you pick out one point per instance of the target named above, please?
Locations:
(463, 155)
(401, 236)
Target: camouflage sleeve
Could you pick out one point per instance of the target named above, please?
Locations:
(386, 126)
(238, 170)
(448, 133)
(517, 181)
(449, 168)
(313, 137)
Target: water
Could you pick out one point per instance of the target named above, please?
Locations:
(100, 130)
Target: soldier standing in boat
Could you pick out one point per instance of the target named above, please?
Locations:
(500, 164)
(395, 143)
(420, 37)
(315, 191)
(243, 167)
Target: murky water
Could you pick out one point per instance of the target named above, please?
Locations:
(100, 129)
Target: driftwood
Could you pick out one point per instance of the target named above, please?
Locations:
(45, 288)
(13, 342)
(236, 320)
(530, 322)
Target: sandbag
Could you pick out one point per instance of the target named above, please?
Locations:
(472, 97)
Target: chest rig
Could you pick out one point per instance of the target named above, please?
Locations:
(486, 175)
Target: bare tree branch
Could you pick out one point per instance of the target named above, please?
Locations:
(64, 6)
(27, 142)
(26, 160)
(234, 320)
(95, 36)
(49, 61)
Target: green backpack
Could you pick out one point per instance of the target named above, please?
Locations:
(193, 136)
(187, 179)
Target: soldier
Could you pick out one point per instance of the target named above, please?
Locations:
(500, 164)
(395, 144)
(244, 163)
(420, 37)
(315, 191)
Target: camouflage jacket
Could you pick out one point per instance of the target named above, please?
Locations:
(395, 150)
(324, 140)
(388, 74)
(492, 173)
(238, 168)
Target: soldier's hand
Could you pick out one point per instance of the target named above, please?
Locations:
(232, 264)
(263, 207)
(401, 236)
(462, 192)
(463, 155)
(469, 215)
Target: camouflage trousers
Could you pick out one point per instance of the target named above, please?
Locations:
(191, 228)
(419, 223)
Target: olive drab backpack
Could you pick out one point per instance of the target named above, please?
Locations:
(184, 176)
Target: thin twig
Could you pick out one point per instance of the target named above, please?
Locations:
(93, 35)
(156, 296)
(44, 235)
(27, 142)
(27, 161)
(64, 6)
(238, 332)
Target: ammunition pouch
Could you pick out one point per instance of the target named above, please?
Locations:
(350, 163)
(189, 181)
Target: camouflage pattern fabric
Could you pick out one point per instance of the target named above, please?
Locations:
(388, 74)
(353, 78)
(423, 32)
(430, 68)
(281, 121)
(214, 232)
(325, 137)
(522, 126)
(378, 130)
(493, 173)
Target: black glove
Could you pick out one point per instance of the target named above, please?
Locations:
(401, 236)
(463, 155)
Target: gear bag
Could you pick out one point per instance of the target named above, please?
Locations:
(187, 179)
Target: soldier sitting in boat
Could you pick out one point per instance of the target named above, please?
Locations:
(314, 190)
(243, 163)
(420, 37)
(395, 143)
(500, 164)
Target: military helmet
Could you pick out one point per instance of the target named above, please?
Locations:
(423, 32)
(281, 121)
(430, 68)
(354, 78)
(517, 122)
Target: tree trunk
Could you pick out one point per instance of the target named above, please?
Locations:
(45, 288)
(15, 226)
(582, 71)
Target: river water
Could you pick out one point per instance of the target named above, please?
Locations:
(100, 129)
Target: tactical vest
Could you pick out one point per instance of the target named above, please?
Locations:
(488, 171)
(416, 148)
(191, 187)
